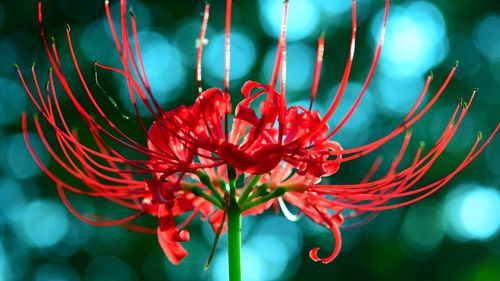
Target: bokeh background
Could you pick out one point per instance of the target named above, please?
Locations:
(450, 236)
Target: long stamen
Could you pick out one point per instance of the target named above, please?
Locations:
(374, 145)
(142, 72)
(281, 45)
(317, 69)
(376, 57)
(346, 75)
(227, 59)
(227, 45)
(372, 170)
(343, 83)
(201, 42)
(54, 60)
(282, 101)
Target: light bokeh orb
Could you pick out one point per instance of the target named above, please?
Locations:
(415, 39)
(472, 212)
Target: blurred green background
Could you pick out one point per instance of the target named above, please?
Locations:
(450, 236)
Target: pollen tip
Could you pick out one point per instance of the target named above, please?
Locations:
(131, 12)
(52, 39)
(460, 100)
(322, 34)
(475, 90)
(457, 62)
(422, 144)
(16, 66)
(50, 69)
(68, 28)
(431, 74)
(479, 135)
(106, 2)
(33, 64)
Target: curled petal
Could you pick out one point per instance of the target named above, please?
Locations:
(333, 223)
(319, 162)
(173, 250)
(249, 86)
(313, 254)
(169, 237)
(247, 114)
(331, 148)
(214, 102)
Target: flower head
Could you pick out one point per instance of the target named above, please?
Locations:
(194, 155)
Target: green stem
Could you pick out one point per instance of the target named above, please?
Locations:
(234, 242)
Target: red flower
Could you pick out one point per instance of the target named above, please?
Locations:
(194, 154)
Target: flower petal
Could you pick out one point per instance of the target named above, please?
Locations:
(169, 237)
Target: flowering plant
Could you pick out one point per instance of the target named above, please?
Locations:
(195, 155)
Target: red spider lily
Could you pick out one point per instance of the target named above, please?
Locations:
(194, 156)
